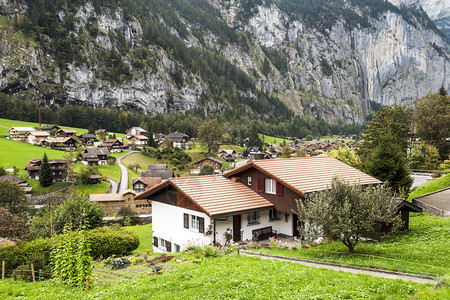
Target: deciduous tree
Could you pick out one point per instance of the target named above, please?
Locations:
(431, 120)
(12, 226)
(348, 213)
(206, 169)
(210, 135)
(347, 156)
(12, 197)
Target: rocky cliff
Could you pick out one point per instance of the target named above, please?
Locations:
(439, 12)
(109, 55)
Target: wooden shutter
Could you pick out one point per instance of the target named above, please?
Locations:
(155, 241)
(186, 221)
(201, 225)
(279, 189)
(168, 246)
(260, 188)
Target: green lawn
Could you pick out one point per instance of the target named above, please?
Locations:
(432, 186)
(424, 249)
(15, 153)
(145, 238)
(39, 190)
(87, 189)
(225, 277)
(236, 148)
(267, 139)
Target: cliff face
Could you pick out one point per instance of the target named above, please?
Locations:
(439, 12)
(331, 73)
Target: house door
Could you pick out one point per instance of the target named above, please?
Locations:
(295, 225)
(237, 228)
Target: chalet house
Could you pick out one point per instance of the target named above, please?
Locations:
(214, 162)
(144, 183)
(112, 203)
(228, 155)
(88, 138)
(49, 128)
(19, 133)
(163, 174)
(59, 169)
(157, 167)
(178, 139)
(19, 181)
(133, 131)
(36, 137)
(95, 156)
(256, 199)
(138, 140)
(67, 132)
(66, 143)
(113, 145)
(95, 179)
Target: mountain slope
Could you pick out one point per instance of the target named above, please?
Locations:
(325, 60)
(439, 12)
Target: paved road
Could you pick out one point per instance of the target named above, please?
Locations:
(114, 186)
(123, 184)
(349, 269)
(420, 179)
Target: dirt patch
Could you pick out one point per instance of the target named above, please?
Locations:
(161, 259)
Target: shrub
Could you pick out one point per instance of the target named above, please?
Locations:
(36, 252)
(106, 242)
(211, 251)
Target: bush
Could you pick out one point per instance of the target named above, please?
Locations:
(106, 242)
(36, 252)
(211, 251)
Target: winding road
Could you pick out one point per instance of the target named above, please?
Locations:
(123, 184)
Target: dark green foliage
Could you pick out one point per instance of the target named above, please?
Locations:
(443, 91)
(83, 175)
(206, 169)
(278, 59)
(117, 263)
(151, 142)
(12, 198)
(2, 171)
(327, 70)
(14, 256)
(387, 162)
(177, 156)
(106, 242)
(265, 68)
(45, 172)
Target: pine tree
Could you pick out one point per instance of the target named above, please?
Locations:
(151, 142)
(442, 91)
(45, 173)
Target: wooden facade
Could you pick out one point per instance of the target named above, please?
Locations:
(112, 203)
(215, 163)
(59, 169)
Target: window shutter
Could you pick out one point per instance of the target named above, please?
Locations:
(155, 241)
(168, 246)
(201, 225)
(260, 185)
(279, 189)
(186, 221)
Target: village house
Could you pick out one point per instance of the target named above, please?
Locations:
(133, 131)
(112, 203)
(228, 155)
(88, 138)
(19, 133)
(144, 183)
(95, 179)
(67, 132)
(254, 200)
(49, 128)
(214, 162)
(113, 145)
(161, 173)
(95, 156)
(63, 143)
(179, 139)
(138, 140)
(59, 169)
(36, 137)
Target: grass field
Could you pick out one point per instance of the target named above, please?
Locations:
(424, 249)
(432, 186)
(9, 123)
(87, 189)
(224, 277)
(39, 190)
(15, 153)
(145, 238)
(267, 139)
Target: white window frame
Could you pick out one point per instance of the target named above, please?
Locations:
(249, 180)
(270, 186)
(194, 223)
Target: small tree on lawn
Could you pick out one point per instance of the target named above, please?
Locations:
(287, 152)
(12, 198)
(12, 226)
(348, 213)
(45, 172)
(206, 169)
(210, 135)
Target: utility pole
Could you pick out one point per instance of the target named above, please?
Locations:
(39, 109)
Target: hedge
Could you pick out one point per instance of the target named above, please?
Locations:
(105, 242)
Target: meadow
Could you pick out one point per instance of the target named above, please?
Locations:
(424, 249)
(432, 186)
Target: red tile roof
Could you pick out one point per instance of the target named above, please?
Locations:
(308, 174)
(215, 195)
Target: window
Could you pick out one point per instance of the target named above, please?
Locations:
(177, 248)
(252, 218)
(194, 222)
(270, 186)
(274, 214)
(249, 180)
(162, 243)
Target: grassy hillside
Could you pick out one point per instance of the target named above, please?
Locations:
(272, 139)
(424, 249)
(145, 238)
(15, 153)
(432, 186)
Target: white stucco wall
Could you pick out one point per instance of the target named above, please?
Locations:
(168, 224)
